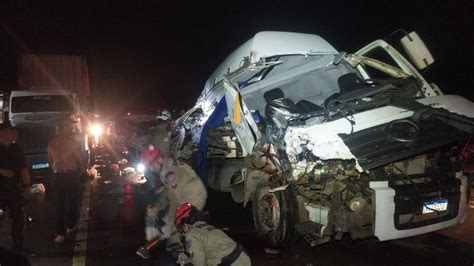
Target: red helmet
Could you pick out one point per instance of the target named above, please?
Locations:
(184, 212)
(150, 154)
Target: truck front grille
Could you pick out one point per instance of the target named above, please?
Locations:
(34, 140)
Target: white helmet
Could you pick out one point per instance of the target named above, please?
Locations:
(165, 115)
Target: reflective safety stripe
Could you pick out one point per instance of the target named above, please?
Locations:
(232, 257)
(237, 110)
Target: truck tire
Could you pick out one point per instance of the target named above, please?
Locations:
(274, 214)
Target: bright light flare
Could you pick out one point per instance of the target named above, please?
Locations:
(96, 130)
(140, 168)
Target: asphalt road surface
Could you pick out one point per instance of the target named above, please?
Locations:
(111, 230)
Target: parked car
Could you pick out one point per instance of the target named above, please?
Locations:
(327, 143)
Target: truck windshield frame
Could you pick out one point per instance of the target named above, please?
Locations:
(42, 103)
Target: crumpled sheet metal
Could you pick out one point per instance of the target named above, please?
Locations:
(324, 144)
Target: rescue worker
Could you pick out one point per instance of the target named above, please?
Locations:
(180, 184)
(204, 244)
(161, 136)
(15, 186)
(68, 163)
(160, 146)
(149, 159)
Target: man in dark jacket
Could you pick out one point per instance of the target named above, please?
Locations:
(14, 185)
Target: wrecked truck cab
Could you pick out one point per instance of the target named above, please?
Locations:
(326, 143)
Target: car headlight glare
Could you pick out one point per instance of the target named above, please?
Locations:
(140, 168)
(96, 130)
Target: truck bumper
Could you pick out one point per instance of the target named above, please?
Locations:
(38, 166)
(386, 217)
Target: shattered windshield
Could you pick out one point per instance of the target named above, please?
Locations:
(378, 78)
(315, 85)
(312, 78)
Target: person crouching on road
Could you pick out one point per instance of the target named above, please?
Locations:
(68, 163)
(180, 184)
(204, 244)
(14, 185)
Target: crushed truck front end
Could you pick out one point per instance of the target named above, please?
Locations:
(326, 143)
(386, 172)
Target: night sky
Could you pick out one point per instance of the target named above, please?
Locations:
(154, 53)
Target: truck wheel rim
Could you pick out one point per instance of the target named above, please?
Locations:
(268, 210)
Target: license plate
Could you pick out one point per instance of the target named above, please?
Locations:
(40, 166)
(438, 205)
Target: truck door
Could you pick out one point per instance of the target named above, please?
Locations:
(384, 52)
(242, 121)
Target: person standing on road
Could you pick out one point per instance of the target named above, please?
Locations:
(68, 164)
(161, 134)
(14, 185)
(204, 244)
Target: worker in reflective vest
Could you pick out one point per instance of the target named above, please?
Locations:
(204, 244)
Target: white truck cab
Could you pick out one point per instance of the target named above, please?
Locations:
(41, 105)
(36, 113)
(327, 143)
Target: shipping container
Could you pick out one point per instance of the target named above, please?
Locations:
(68, 72)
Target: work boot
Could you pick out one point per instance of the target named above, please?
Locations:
(59, 239)
(143, 252)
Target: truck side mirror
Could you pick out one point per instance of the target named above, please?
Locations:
(417, 50)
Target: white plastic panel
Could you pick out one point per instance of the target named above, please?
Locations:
(385, 208)
(417, 50)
